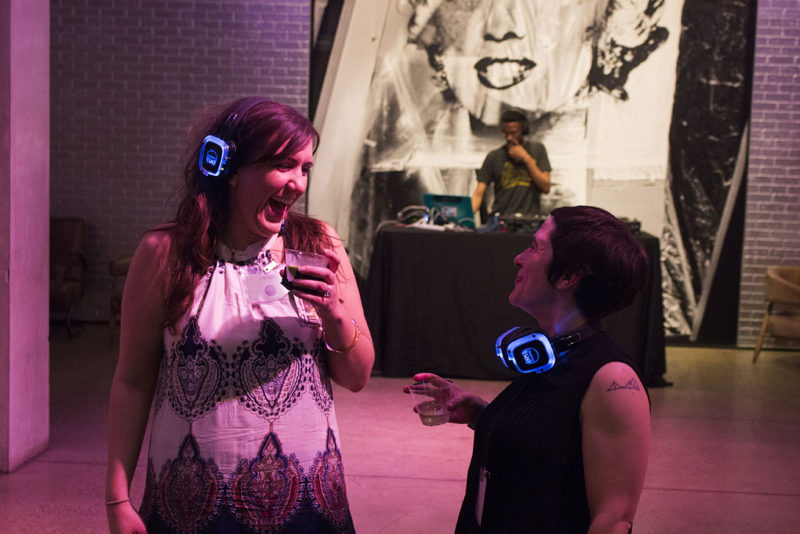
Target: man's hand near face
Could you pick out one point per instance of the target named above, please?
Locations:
(517, 152)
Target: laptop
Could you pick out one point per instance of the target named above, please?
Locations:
(445, 209)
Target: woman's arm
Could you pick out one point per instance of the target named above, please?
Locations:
(141, 341)
(345, 328)
(615, 421)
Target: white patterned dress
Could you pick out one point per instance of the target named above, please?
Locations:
(243, 430)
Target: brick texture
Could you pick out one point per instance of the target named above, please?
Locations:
(772, 223)
(127, 77)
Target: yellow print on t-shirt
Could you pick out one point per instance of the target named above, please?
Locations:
(514, 176)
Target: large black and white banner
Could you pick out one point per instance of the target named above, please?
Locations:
(414, 107)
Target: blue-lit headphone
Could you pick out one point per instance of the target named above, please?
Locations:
(530, 351)
(217, 154)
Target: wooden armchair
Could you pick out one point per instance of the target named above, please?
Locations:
(782, 318)
(67, 266)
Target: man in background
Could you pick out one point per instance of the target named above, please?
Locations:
(518, 170)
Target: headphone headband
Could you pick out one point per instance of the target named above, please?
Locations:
(218, 150)
(516, 115)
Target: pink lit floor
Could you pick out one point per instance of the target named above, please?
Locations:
(725, 452)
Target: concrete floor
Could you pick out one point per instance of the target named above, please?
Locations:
(725, 449)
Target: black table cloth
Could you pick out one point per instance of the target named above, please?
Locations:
(437, 301)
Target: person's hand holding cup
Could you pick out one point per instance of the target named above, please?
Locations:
(430, 392)
(295, 260)
(430, 399)
(312, 278)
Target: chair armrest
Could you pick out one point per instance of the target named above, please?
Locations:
(783, 284)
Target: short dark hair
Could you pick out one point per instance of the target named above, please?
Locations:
(612, 263)
(513, 115)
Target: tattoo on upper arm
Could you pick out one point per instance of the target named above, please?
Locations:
(630, 384)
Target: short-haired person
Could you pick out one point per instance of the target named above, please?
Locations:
(519, 171)
(564, 451)
(232, 368)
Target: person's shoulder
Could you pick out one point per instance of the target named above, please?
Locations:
(616, 397)
(323, 227)
(156, 241)
(318, 228)
(609, 363)
(328, 228)
(535, 144)
(616, 375)
(153, 252)
(332, 234)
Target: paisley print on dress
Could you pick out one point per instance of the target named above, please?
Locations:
(267, 375)
(266, 491)
(316, 373)
(243, 432)
(189, 489)
(327, 483)
(195, 373)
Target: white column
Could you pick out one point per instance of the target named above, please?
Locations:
(24, 229)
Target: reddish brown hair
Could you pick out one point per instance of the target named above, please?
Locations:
(259, 137)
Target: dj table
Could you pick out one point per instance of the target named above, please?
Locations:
(436, 301)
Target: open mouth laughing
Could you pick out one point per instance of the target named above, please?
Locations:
(278, 206)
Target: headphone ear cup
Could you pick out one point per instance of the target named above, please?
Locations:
(215, 155)
(218, 151)
(525, 350)
(525, 129)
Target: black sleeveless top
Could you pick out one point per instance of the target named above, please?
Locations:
(529, 441)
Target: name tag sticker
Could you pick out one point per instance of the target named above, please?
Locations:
(262, 287)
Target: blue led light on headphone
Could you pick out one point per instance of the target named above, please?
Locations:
(530, 351)
(526, 351)
(213, 156)
(218, 151)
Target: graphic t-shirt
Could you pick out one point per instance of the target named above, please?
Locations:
(514, 189)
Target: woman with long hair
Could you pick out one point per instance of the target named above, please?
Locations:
(231, 364)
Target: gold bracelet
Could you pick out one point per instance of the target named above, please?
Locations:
(352, 343)
(120, 501)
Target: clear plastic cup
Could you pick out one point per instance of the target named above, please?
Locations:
(430, 401)
(298, 258)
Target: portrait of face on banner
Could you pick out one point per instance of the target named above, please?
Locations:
(446, 70)
(507, 53)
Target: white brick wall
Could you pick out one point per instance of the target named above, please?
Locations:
(772, 223)
(127, 77)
